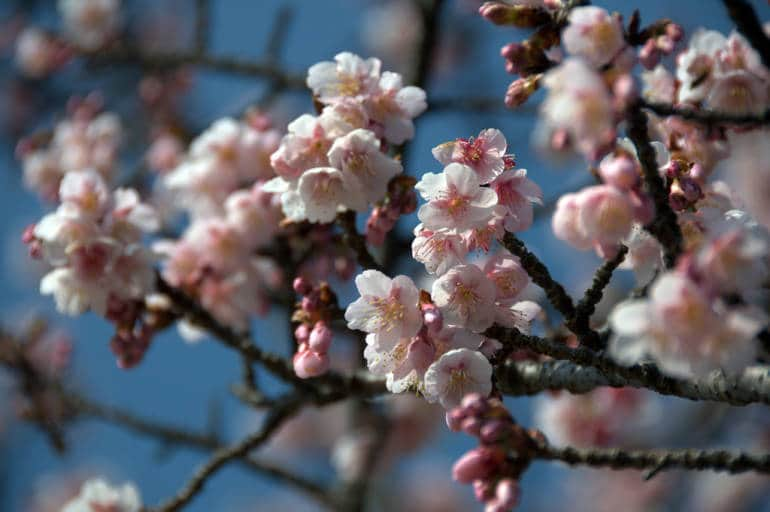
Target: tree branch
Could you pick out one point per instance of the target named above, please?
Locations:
(657, 460)
(745, 19)
(589, 370)
(356, 241)
(665, 227)
(284, 410)
(707, 117)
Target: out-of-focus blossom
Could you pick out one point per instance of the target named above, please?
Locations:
(90, 23)
(594, 35)
(97, 495)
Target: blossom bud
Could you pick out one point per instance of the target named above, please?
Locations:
(507, 493)
(520, 90)
(432, 317)
(472, 425)
(619, 171)
(454, 419)
(649, 56)
(521, 16)
(674, 169)
(309, 364)
(677, 199)
(494, 431)
(625, 91)
(474, 404)
(483, 490)
(302, 286)
(479, 463)
(320, 337)
(310, 302)
(302, 333)
(690, 189)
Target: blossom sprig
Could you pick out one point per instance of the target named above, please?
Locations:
(314, 314)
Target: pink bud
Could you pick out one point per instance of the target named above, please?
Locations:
(479, 463)
(625, 90)
(675, 31)
(483, 490)
(475, 404)
(302, 333)
(472, 425)
(309, 364)
(649, 56)
(302, 286)
(619, 171)
(310, 302)
(320, 337)
(454, 419)
(507, 493)
(494, 431)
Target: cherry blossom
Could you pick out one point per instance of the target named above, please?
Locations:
(517, 193)
(485, 154)
(391, 108)
(97, 494)
(455, 199)
(438, 250)
(349, 76)
(466, 297)
(593, 35)
(456, 374)
(387, 307)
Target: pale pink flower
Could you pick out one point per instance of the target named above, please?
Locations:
(748, 170)
(304, 147)
(579, 106)
(684, 330)
(218, 244)
(659, 85)
(517, 193)
(403, 364)
(323, 191)
(566, 222)
(84, 194)
(644, 257)
(89, 23)
(484, 154)
(606, 214)
(695, 65)
(36, 52)
(594, 35)
(342, 117)
(42, 173)
(438, 250)
(455, 199)
(466, 297)
(457, 373)
(387, 307)
(738, 92)
(391, 108)
(349, 76)
(98, 495)
(254, 214)
(519, 315)
(72, 294)
(506, 272)
(365, 169)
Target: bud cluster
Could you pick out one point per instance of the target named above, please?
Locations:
(313, 334)
(401, 200)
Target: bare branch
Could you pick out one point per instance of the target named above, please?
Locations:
(707, 117)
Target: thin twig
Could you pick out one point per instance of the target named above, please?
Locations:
(664, 227)
(707, 117)
(745, 19)
(356, 241)
(657, 460)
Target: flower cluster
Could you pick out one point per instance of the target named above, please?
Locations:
(86, 140)
(494, 467)
(338, 160)
(699, 316)
(314, 335)
(90, 23)
(98, 495)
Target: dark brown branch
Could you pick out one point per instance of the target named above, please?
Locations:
(753, 386)
(707, 117)
(745, 19)
(657, 460)
(356, 241)
(664, 227)
(284, 410)
(587, 305)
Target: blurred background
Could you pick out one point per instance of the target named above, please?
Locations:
(186, 384)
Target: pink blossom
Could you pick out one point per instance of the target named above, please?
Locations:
(391, 108)
(593, 34)
(309, 363)
(506, 272)
(84, 194)
(659, 85)
(458, 373)
(365, 169)
(466, 297)
(484, 154)
(304, 147)
(738, 92)
(322, 191)
(36, 52)
(455, 199)
(566, 222)
(684, 330)
(579, 106)
(342, 117)
(438, 250)
(606, 214)
(97, 494)
(254, 214)
(387, 307)
(517, 193)
(349, 76)
(90, 22)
